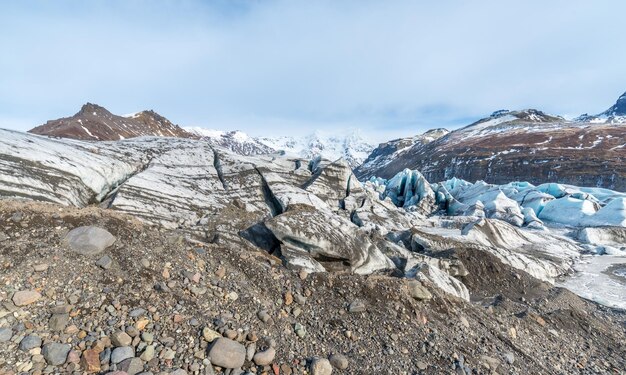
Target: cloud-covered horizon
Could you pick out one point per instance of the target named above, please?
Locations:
(393, 68)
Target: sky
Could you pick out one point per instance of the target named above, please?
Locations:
(390, 68)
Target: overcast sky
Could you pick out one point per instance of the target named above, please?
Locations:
(391, 68)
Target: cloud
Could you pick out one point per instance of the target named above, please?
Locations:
(392, 68)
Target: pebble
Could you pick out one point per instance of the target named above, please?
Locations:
(339, 361)
(418, 291)
(58, 322)
(263, 316)
(29, 342)
(321, 366)
(120, 338)
(122, 353)
(131, 366)
(227, 353)
(356, 307)
(55, 354)
(300, 330)
(25, 297)
(210, 335)
(40, 267)
(148, 353)
(265, 357)
(105, 262)
(90, 361)
(509, 357)
(5, 334)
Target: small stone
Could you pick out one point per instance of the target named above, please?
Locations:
(464, 321)
(263, 316)
(356, 307)
(90, 361)
(418, 291)
(422, 365)
(147, 337)
(509, 357)
(513, 332)
(265, 357)
(122, 353)
(148, 353)
(5, 334)
(339, 361)
(142, 323)
(105, 262)
(321, 366)
(210, 335)
(131, 366)
(29, 342)
(180, 371)
(288, 298)
(300, 330)
(220, 272)
(233, 296)
(55, 354)
(227, 353)
(25, 297)
(43, 267)
(58, 322)
(120, 338)
(303, 274)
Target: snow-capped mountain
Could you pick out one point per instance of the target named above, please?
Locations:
(96, 123)
(527, 145)
(235, 140)
(352, 146)
(386, 152)
(614, 115)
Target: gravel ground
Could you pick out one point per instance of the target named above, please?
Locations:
(165, 302)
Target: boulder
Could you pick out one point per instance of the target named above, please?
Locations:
(89, 240)
(227, 353)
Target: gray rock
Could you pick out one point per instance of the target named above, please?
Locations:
(418, 291)
(180, 371)
(120, 338)
(30, 342)
(227, 353)
(509, 357)
(339, 361)
(5, 334)
(356, 307)
(131, 366)
(89, 240)
(265, 357)
(105, 262)
(122, 353)
(58, 322)
(55, 354)
(321, 366)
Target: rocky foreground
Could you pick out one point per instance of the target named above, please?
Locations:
(129, 298)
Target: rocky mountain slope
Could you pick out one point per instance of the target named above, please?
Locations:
(187, 256)
(524, 145)
(95, 123)
(234, 140)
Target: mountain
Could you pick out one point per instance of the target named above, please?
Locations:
(527, 145)
(235, 140)
(616, 114)
(352, 147)
(95, 123)
(386, 152)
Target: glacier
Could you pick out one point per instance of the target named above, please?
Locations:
(314, 214)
